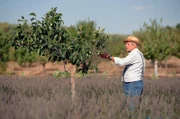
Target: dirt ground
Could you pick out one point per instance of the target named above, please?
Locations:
(107, 68)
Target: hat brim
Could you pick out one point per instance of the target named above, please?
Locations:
(129, 40)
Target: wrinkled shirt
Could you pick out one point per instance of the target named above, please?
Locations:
(134, 66)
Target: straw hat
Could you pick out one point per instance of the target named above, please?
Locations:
(133, 39)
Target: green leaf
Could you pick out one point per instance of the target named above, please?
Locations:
(20, 20)
(33, 18)
(32, 14)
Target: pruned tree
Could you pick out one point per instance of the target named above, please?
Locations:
(50, 38)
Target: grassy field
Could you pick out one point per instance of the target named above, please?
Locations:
(96, 98)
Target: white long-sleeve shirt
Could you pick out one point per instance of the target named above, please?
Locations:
(134, 66)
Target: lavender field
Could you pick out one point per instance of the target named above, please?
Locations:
(96, 98)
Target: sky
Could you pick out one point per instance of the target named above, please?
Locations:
(116, 16)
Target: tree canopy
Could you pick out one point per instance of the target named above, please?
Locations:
(50, 38)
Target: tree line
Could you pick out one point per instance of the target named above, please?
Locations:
(158, 42)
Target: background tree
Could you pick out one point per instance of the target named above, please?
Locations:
(116, 46)
(176, 41)
(169, 36)
(156, 43)
(3, 50)
(6, 33)
(178, 26)
(50, 38)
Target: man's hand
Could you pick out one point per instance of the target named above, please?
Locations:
(105, 55)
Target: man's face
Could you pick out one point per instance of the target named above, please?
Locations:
(130, 46)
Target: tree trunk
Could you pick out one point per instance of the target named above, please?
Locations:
(166, 64)
(44, 68)
(72, 70)
(156, 69)
(73, 83)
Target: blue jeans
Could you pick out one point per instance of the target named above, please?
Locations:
(133, 91)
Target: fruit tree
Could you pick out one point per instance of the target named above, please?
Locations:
(50, 38)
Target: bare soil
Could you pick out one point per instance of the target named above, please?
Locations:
(106, 68)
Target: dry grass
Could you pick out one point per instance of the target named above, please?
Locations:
(96, 98)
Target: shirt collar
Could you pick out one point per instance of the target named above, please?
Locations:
(134, 50)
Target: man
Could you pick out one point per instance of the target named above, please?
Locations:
(133, 73)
